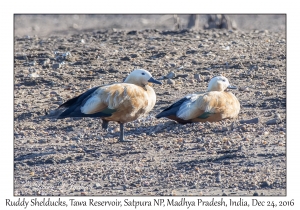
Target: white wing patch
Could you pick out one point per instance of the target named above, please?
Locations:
(90, 105)
(185, 109)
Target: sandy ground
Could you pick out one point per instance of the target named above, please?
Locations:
(76, 157)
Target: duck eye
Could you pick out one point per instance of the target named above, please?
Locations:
(223, 80)
(143, 73)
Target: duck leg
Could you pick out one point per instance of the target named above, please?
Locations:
(121, 138)
(104, 124)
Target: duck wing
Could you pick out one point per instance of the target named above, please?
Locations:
(181, 104)
(72, 107)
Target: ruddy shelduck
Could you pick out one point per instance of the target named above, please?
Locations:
(214, 105)
(120, 102)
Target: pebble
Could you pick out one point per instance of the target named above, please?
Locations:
(126, 58)
(269, 93)
(56, 66)
(277, 115)
(218, 178)
(242, 148)
(42, 141)
(273, 121)
(171, 75)
(134, 55)
(198, 77)
(46, 62)
(265, 184)
(254, 120)
(245, 89)
(171, 82)
(207, 78)
(244, 128)
(97, 186)
(191, 81)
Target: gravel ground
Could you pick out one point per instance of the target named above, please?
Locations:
(75, 157)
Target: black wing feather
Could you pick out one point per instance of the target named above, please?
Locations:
(79, 98)
(172, 110)
(71, 108)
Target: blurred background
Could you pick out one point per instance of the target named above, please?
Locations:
(61, 24)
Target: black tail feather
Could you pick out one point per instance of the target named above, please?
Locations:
(171, 110)
(71, 108)
(80, 98)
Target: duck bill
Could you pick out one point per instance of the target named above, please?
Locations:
(152, 80)
(231, 87)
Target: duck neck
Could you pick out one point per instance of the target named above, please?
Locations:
(216, 87)
(134, 81)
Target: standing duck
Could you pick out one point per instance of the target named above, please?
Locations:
(120, 102)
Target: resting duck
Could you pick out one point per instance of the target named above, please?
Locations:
(120, 102)
(214, 105)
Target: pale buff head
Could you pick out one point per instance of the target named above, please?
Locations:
(219, 83)
(140, 77)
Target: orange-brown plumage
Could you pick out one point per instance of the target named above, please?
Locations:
(214, 105)
(120, 102)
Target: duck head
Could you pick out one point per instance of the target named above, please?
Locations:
(219, 83)
(141, 77)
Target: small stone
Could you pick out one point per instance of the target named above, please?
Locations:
(66, 138)
(197, 77)
(191, 81)
(125, 187)
(225, 147)
(219, 178)
(30, 141)
(207, 78)
(125, 58)
(269, 93)
(255, 194)
(171, 82)
(134, 55)
(277, 116)
(34, 75)
(246, 89)
(84, 193)
(242, 148)
(56, 66)
(265, 184)
(244, 128)
(97, 186)
(171, 75)
(42, 141)
(226, 48)
(254, 120)
(172, 64)
(224, 194)
(53, 93)
(46, 62)
(273, 121)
